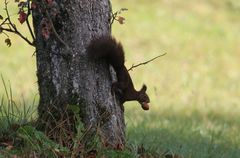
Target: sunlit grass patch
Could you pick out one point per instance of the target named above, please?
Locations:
(194, 89)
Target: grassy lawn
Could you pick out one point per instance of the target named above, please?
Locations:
(194, 89)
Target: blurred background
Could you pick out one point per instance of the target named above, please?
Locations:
(194, 89)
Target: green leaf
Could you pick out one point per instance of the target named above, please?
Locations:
(74, 108)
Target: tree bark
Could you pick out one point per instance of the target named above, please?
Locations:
(66, 76)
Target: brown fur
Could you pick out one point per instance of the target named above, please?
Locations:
(108, 48)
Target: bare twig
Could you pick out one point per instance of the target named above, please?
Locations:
(8, 30)
(27, 21)
(19, 34)
(115, 14)
(52, 26)
(54, 30)
(6, 10)
(146, 62)
(4, 22)
(5, 34)
(12, 27)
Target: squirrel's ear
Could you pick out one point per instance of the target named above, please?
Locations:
(144, 88)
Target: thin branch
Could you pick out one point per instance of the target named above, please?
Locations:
(54, 30)
(146, 62)
(52, 26)
(8, 30)
(4, 22)
(12, 27)
(8, 16)
(114, 15)
(27, 21)
(6, 10)
(5, 34)
(19, 34)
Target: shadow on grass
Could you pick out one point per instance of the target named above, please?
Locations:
(198, 136)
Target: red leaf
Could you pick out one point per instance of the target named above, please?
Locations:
(22, 17)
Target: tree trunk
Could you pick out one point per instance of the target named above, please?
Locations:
(66, 76)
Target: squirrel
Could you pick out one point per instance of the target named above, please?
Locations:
(107, 48)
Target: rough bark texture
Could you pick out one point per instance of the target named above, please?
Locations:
(66, 76)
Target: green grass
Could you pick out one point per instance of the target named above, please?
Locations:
(194, 89)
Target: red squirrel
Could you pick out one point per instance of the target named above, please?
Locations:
(106, 47)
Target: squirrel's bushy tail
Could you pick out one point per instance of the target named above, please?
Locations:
(106, 47)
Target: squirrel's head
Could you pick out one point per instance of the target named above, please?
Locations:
(143, 98)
